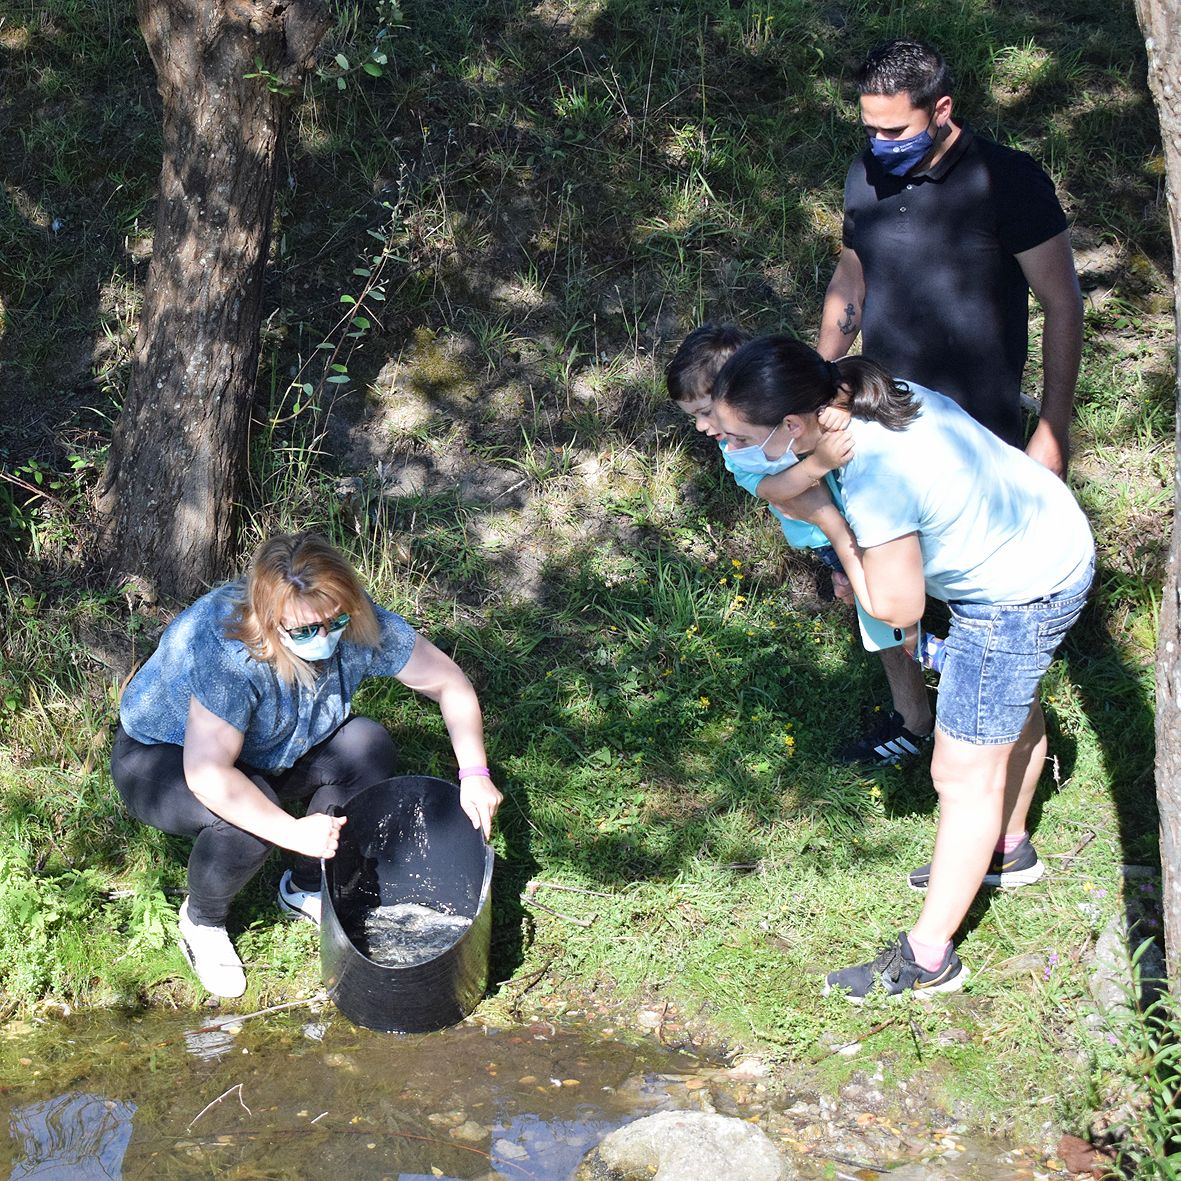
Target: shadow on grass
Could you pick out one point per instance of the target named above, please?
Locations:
(521, 216)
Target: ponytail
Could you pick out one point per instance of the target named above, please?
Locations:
(874, 395)
(775, 376)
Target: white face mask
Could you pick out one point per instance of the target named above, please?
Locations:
(754, 459)
(319, 647)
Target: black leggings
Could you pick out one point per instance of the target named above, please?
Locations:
(151, 780)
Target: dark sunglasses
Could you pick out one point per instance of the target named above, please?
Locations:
(308, 631)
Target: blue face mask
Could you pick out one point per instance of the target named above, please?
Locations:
(318, 647)
(900, 156)
(754, 459)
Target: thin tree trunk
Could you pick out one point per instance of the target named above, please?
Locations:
(1160, 21)
(178, 454)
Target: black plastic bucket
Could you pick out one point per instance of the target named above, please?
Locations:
(406, 841)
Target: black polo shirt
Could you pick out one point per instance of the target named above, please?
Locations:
(946, 302)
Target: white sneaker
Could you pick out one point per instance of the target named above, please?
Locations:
(211, 955)
(296, 903)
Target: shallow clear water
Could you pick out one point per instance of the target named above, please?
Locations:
(308, 1095)
(305, 1094)
(408, 933)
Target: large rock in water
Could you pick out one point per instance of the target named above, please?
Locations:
(686, 1146)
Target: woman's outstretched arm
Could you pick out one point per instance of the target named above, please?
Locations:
(435, 675)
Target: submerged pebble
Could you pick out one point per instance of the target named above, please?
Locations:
(408, 933)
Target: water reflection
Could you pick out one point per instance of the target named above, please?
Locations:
(72, 1137)
(209, 1043)
(552, 1148)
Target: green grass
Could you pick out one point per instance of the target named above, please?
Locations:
(530, 208)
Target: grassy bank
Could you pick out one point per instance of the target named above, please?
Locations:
(548, 198)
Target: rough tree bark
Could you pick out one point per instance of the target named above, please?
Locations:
(1160, 21)
(178, 455)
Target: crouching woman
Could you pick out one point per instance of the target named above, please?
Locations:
(245, 708)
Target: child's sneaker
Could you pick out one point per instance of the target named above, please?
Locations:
(211, 955)
(1009, 871)
(886, 743)
(895, 970)
(931, 652)
(296, 903)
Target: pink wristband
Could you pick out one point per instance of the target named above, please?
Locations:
(464, 772)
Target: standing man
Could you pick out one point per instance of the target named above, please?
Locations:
(945, 235)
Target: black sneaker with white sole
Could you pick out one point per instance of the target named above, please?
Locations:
(886, 743)
(895, 971)
(1008, 871)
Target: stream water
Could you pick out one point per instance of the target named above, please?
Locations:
(302, 1094)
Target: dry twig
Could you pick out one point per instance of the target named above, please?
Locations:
(529, 900)
(213, 1103)
(535, 885)
(855, 1042)
(235, 1018)
(1087, 838)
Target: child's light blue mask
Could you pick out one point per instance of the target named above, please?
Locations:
(753, 459)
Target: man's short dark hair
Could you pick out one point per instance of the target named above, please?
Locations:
(691, 372)
(903, 65)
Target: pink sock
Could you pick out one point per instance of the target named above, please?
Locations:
(928, 955)
(1009, 841)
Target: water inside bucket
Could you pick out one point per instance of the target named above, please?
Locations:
(408, 933)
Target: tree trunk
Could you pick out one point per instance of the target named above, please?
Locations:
(1160, 21)
(178, 454)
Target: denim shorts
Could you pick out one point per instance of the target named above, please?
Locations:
(995, 657)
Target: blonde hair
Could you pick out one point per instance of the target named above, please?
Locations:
(303, 567)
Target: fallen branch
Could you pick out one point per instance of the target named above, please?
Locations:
(167, 891)
(533, 980)
(532, 887)
(1087, 838)
(236, 1087)
(855, 1042)
(30, 488)
(507, 491)
(854, 1164)
(557, 913)
(235, 1018)
(529, 899)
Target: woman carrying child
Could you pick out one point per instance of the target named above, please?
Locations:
(245, 707)
(904, 731)
(937, 505)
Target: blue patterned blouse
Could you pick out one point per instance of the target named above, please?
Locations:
(280, 722)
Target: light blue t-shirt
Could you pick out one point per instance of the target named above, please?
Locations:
(280, 722)
(875, 635)
(994, 525)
